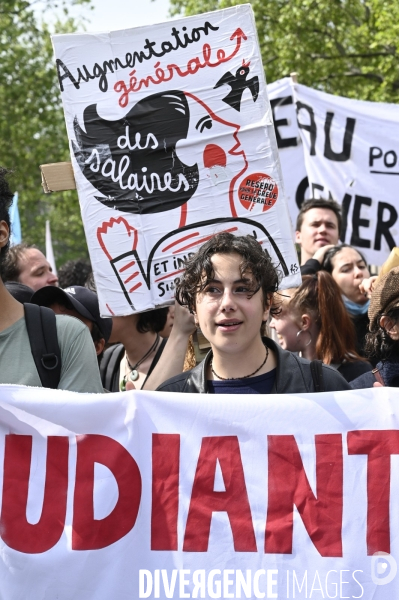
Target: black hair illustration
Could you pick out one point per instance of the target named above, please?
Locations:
(132, 161)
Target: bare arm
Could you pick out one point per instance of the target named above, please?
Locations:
(172, 357)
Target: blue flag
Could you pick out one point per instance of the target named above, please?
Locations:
(16, 236)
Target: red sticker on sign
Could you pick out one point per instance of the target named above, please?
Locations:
(258, 188)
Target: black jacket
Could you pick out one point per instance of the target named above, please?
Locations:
(293, 376)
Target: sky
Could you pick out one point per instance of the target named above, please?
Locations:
(109, 15)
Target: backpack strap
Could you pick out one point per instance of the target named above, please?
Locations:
(316, 369)
(109, 365)
(42, 331)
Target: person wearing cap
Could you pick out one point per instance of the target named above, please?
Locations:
(81, 303)
(382, 342)
(79, 369)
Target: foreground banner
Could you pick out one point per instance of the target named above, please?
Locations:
(172, 140)
(150, 495)
(335, 147)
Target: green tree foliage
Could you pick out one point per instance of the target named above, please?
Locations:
(32, 126)
(344, 47)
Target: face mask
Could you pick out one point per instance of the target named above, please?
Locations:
(354, 308)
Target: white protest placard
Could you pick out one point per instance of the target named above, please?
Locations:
(171, 141)
(161, 495)
(289, 143)
(351, 155)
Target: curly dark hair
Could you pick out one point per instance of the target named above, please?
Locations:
(379, 345)
(74, 272)
(199, 269)
(6, 196)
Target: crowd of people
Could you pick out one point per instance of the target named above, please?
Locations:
(338, 330)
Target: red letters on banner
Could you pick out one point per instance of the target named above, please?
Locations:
(204, 500)
(378, 445)
(89, 533)
(288, 486)
(16, 532)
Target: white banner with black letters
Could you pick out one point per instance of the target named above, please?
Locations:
(151, 495)
(347, 149)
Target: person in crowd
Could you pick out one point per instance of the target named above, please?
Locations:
(79, 370)
(229, 285)
(26, 264)
(348, 268)
(74, 272)
(81, 303)
(318, 224)
(382, 342)
(19, 291)
(142, 359)
(314, 322)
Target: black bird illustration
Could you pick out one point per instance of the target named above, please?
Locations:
(238, 84)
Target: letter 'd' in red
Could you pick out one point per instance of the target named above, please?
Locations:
(89, 533)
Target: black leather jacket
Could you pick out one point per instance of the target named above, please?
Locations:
(293, 376)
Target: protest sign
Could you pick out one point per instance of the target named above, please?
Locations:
(351, 156)
(161, 495)
(171, 141)
(289, 143)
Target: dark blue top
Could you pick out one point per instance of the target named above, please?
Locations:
(262, 384)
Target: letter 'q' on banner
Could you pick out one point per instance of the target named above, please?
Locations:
(171, 140)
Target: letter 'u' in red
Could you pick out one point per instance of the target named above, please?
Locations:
(378, 445)
(288, 485)
(204, 500)
(89, 533)
(16, 532)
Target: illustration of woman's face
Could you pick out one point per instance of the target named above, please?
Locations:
(211, 142)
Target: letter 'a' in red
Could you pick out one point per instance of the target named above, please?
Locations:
(16, 532)
(204, 500)
(89, 533)
(378, 445)
(288, 485)
(165, 490)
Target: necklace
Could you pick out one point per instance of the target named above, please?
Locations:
(134, 374)
(245, 376)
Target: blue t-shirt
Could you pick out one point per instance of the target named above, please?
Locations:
(262, 384)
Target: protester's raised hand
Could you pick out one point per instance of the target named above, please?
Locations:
(367, 285)
(184, 322)
(321, 252)
(377, 384)
(117, 237)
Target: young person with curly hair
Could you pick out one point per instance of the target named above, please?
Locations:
(229, 285)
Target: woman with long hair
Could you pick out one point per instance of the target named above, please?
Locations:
(382, 342)
(314, 322)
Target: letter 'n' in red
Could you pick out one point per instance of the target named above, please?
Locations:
(16, 532)
(288, 486)
(234, 500)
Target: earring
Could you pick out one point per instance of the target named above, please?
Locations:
(305, 331)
